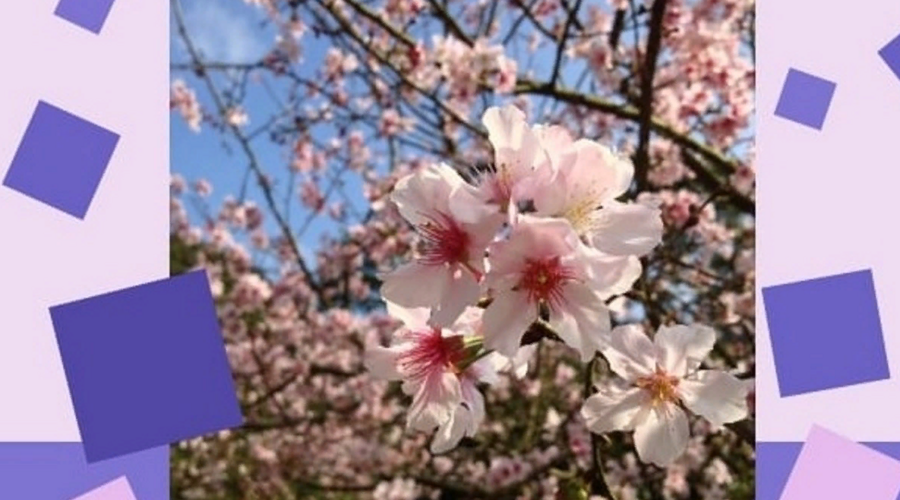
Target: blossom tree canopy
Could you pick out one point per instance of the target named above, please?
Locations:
(493, 249)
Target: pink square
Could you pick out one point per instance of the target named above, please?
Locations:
(113, 490)
(831, 467)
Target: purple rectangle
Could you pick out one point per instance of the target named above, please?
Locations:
(826, 333)
(61, 159)
(805, 99)
(146, 366)
(59, 471)
(890, 54)
(89, 14)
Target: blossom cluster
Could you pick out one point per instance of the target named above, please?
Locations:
(540, 238)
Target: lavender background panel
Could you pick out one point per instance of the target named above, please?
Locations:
(120, 79)
(826, 199)
(58, 471)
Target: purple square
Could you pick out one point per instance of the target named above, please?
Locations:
(774, 461)
(825, 333)
(146, 366)
(890, 53)
(89, 14)
(805, 99)
(59, 471)
(61, 160)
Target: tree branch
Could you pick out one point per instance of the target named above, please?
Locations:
(654, 41)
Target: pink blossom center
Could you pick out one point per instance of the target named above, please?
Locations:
(544, 279)
(431, 352)
(443, 241)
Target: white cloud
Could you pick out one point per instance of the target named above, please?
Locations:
(223, 30)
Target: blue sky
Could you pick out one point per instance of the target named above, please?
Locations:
(232, 31)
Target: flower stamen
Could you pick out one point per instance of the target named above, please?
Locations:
(543, 280)
(443, 241)
(663, 388)
(432, 351)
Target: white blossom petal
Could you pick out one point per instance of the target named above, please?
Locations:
(597, 172)
(556, 141)
(582, 320)
(464, 421)
(451, 432)
(663, 435)
(518, 364)
(435, 397)
(474, 401)
(631, 354)
(414, 318)
(423, 194)
(415, 285)
(467, 205)
(627, 229)
(506, 320)
(461, 291)
(716, 396)
(485, 369)
(681, 349)
(612, 275)
(513, 139)
(615, 408)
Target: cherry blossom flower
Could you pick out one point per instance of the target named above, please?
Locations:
(337, 64)
(517, 151)
(659, 376)
(392, 123)
(177, 184)
(588, 179)
(450, 261)
(185, 101)
(398, 489)
(202, 187)
(541, 264)
(440, 368)
(506, 75)
(236, 117)
(469, 414)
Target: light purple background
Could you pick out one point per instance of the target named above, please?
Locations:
(113, 490)
(119, 80)
(828, 201)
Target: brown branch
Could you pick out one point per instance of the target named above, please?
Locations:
(654, 41)
(595, 476)
(451, 23)
(718, 186)
(561, 47)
